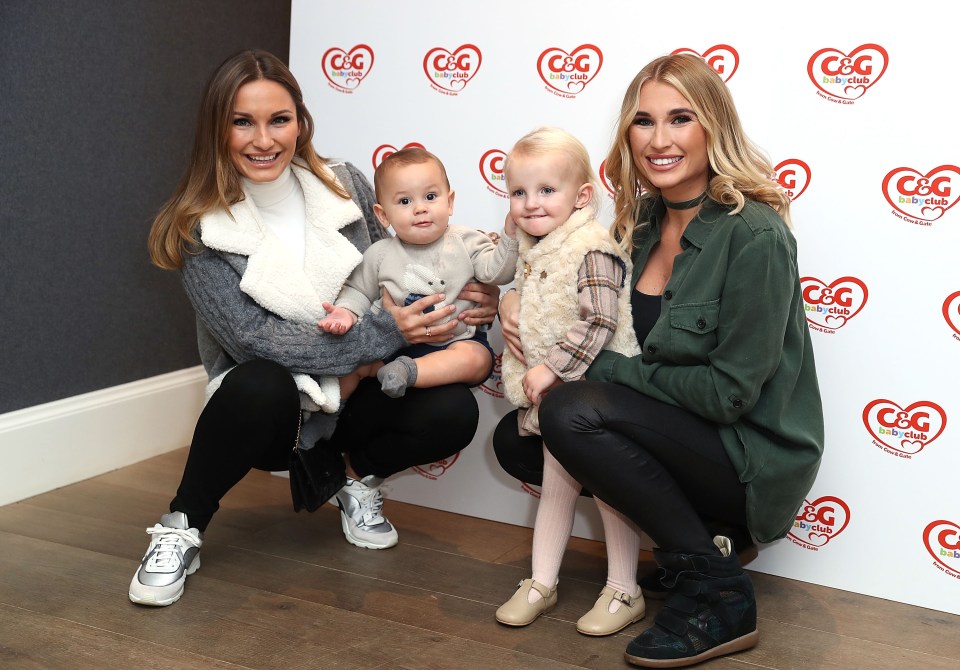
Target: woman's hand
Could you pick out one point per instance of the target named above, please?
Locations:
(510, 324)
(417, 327)
(486, 296)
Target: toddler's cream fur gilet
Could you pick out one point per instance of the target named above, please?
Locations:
(547, 282)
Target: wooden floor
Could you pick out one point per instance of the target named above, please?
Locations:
(283, 590)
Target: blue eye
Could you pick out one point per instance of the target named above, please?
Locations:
(280, 120)
(642, 121)
(682, 119)
(517, 194)
(241, 122)
(547, 190)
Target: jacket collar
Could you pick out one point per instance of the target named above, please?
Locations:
(270, 276)
(699, 228)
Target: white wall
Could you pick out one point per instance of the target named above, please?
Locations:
(885, 510)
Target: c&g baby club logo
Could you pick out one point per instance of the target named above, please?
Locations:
(819, 522)
(951, 312)
(942, 540)
(922, 198)
(566, 74)
(723, 58)
(831, 306)
(843, 78)
(437, 469)
(493, 385)
(794, 176)
(449, 72)
(384, 150)
(491, 169)
(903, 431)
(346, 69)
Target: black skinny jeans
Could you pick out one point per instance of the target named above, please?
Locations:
(664, 467)
(251, 422)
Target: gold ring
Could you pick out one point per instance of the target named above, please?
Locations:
(428, 331)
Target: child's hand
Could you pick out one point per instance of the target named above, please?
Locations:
(509, 226)
(337, 321)
(538, 380)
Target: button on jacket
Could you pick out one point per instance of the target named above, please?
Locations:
(732, 345)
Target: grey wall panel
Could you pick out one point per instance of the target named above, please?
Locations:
(97, 107)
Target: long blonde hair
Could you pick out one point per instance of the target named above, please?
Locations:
(739, 170)
(211, 181)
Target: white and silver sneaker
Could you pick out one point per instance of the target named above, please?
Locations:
(361, 505)
(174, 553)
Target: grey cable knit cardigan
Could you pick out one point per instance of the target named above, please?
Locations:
(232, 327)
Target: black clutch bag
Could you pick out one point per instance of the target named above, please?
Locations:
(315, 475)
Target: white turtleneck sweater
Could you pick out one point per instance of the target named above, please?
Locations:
(283, 210)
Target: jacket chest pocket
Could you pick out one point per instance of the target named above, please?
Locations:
(693, 331)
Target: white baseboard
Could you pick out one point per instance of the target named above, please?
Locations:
(65, 441)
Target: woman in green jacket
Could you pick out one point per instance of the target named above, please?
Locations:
(719, 420)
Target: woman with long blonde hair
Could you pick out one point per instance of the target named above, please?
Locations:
(718, 422)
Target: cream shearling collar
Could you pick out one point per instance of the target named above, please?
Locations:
(553, 242)
(271, 279)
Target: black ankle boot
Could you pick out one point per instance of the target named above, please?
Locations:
(711, 611)
(654, 585)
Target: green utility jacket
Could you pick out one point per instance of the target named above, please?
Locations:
(732, 345)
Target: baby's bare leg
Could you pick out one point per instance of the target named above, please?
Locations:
(463, 362)
(349, 383)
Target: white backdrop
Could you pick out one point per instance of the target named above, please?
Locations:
(855, 108)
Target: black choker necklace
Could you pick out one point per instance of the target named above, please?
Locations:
(686, 204)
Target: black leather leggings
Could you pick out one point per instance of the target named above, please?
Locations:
(662, 466)
(251, 422)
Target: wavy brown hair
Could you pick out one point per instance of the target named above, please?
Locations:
(211, 181)
(739, 170)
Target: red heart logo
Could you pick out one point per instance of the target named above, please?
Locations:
(451, 71)
(723, 58)
(384, 150)
(832, 306)
(569, 73)
(905, 430)
(942, 539)
(794, 176)
(438, 468)
(951, 311)
(847, 76)
(602, 173)
(820, 521)
(346, 69)
(923, 196)
(491, 169)
(493, 385)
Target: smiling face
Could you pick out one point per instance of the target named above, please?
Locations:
(416, 201)
(544, 191)
(668, 144)
(263, 130)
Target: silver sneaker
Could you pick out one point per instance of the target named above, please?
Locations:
(174, 553)
(361, 505)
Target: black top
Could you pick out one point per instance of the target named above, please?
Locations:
(646, 311)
